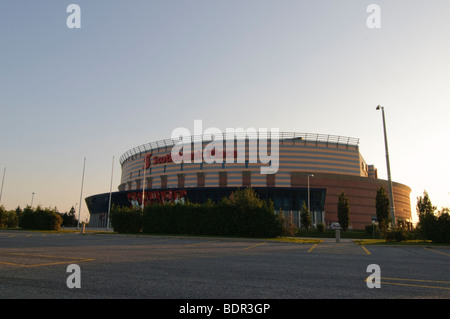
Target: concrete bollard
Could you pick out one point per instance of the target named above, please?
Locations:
(338, 235)
(82, 228)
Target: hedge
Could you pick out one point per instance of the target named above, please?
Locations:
(42, 219)
(255, 218)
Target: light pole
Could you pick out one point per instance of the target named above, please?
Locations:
(391, 191)
(81, 194)
(309, 175)
(143, 183)
(32, 197)
(110, 195)
(3, 180)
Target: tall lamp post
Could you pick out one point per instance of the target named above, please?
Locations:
(309, 198)
(32, 198)
(391, 192)
(3, 181)
(81, 195)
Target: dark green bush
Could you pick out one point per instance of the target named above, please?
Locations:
(435, 228)
(41, 219)
(126, 220)
(243, 215)
(320, 227)
(398, 234)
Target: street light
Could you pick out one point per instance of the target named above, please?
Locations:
(391, 192)
(309, 175)
(3, 181)
(32, 197)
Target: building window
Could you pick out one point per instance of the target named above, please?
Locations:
(223, 182)
(270, 180)
(200, 179)
(149, 182)
(138, 184)
(163, 181)
(246, 179)
(297, 180)
(180, 180)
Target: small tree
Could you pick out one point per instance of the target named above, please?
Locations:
(69, 219)
(305, 216)
(424, 205)
(427, 218)
(343, 208)
(246, 199)
(382, 209)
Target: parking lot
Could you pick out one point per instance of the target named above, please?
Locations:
(34, 265)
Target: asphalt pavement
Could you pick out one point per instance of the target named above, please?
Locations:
(35, 265)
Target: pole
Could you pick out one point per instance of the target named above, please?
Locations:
(308, 192)
(310, 175)
(391, 192)
(81, 194)
(110, 194)
(3, 180)
(32, 197)
(143, 184)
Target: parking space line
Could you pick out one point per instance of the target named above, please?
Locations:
(366, 250)
(416, 285)
(255, 245)
(436, 251)
(202, 243)
(71, 260)
(311, 249)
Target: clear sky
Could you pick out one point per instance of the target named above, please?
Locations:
(136, 70)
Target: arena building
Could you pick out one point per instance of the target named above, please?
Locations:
(311, 168)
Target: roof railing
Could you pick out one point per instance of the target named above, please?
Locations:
(282, 136)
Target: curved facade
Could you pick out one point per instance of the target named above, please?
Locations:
(321, 165)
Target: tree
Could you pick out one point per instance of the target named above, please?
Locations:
(69, 219)
(305, 216)
(424, 205)
(343, 208)
(3, 217)
(382, 209)
(427, 218)
(246, 199)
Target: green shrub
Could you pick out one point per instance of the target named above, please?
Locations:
(8, 218)
(41, 219)
(398, 234)
(126, 220)
(244, 214)
(321, 227)
(442, 234)
(435, 228)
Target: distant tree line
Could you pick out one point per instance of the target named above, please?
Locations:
(37, 218)
(433, 224)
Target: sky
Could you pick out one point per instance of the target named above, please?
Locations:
(136, 70)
